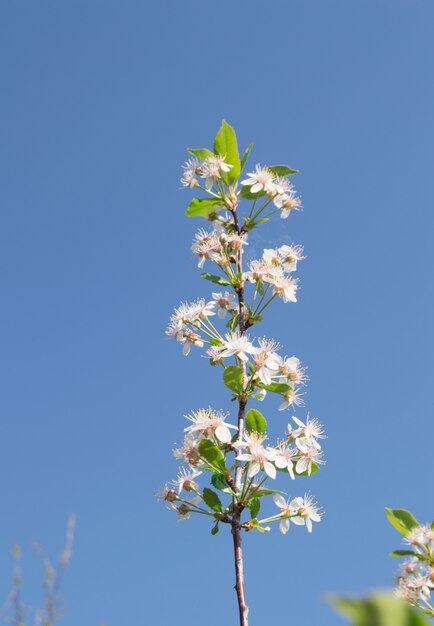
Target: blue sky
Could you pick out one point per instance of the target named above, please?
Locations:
(98, 102)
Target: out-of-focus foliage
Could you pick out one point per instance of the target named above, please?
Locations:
(378, 610)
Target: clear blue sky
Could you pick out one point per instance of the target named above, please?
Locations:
(98, 101)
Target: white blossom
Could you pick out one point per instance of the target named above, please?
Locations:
(238, 345)
(306, 511)
(286, 510)
(259, 458)
(224, 302)
(260, 180)
(192, 168)
(208, 422)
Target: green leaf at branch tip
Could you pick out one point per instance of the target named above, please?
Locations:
(255, 422)
(402, 553)
(203, 207)
(255, 507)
(212, 500)
(212, 455)
(219, 482)
(233, 378)
(200, 153)
(215, 529)
(225, 144)
(282, 170)
(218, 280)
(245, 155)
(280, 388)
(402, 520)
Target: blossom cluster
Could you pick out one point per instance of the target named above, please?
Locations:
(415, 581)
(262, 181)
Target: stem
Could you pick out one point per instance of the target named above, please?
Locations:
(237, 507)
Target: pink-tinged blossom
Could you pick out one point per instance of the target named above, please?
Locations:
(286, 288)
(238, 345)
(259, 458)
(224, 302)
(214, 353)
(212, 169)
(286, 510)
(192, 169)
(208, 423)
(185, 480)
(206, 246)
(260, 180)
(189, 451)
(289, 369)
(189, 339)
(284, 458)
(305, 511)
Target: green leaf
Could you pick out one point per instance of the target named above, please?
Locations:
(225, 144)
(200, 153)
(260, 493)
(215, 529)
(218, 280)
(255, 422)
(378, 610)
(282, 170)
(202, 207)
(219, 482)
(245, 155)
(280, 388)
(233, 378)
(212, 500)
(212, 455)
(402, 553)
(402, 520)
(255, 506)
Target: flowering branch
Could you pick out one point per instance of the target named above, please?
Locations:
(240, 464)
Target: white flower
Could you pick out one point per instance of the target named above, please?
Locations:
(287, 202)
(238, 345)
(208, 422)
(285, 257)
(191, 169)
(265, 360)
(261, 180)
(311, 431)
(284, 458)
(306, 511)
(291, 397)
(260, 270)
(259, 459)
(212, 169)
(224, 302)
(286, 288)
(185, 480)
(309, 456)
(250, 440)
(286, 510)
